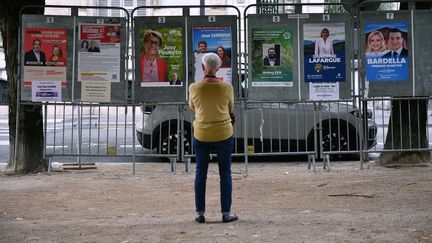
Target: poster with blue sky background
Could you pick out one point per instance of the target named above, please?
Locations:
(324, 52)
(386, 51)
(215, 37)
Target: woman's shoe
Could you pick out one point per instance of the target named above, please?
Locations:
(229, 218)
(200, 219)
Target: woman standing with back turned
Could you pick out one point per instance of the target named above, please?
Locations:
(212, 100)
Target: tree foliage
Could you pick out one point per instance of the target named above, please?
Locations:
(30, 138)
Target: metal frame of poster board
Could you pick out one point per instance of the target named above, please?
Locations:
(290, 87)
(37, 27)
(59, 33)
(114, 52)
(283, 29)
(157, 93)
(71, 86)
(334, 70)
(422, 58)
(215, 29)
(380, 74)
(166, 25)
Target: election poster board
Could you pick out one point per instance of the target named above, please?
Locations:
(324, 59)
(216, 39)
(272, 57)
(100, 49)
(214, 34)
(45, 62)
(386, 51)
(422, 52)
(386, 56)
(161, 57)
(327, 55)
(98, 60)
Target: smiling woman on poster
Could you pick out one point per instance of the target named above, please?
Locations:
(376, 46)
(324, 45)
(226, 61)
(57, 58)
(153, 68)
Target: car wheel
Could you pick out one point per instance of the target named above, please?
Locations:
(169, 140)
(334, 141)
(338, 138)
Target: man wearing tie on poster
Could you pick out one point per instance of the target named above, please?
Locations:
(35, 57)
(395, 47)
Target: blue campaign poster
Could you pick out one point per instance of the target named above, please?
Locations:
(324, 52)
(217, 39)
(386, 51)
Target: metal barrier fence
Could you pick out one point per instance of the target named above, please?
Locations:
(400, 132)
(319, 129)
(88, 130)
(316, 129)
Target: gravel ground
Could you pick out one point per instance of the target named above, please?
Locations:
(275, 202)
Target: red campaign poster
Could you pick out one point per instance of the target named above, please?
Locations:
(104, 33)
(45, 47)
(45, 55)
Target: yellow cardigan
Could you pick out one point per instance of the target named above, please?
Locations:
(212, 103)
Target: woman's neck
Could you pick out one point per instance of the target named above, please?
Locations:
(211, 77)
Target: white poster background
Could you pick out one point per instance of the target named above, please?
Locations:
(100, 66)
(324, 91)
(46, 91)
(223, 74)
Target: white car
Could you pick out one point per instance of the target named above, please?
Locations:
(271, 127)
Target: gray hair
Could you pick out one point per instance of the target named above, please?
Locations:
(211, 62)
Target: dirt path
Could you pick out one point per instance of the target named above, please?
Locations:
(276, 202)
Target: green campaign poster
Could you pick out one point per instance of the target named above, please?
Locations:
(161, 57)
(272, 57)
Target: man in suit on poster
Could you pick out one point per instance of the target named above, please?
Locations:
(395, 41)
(35, 57)
(271, 59)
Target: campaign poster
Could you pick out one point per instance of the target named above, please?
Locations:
(324, 52)
(272, 57)
(216, 39)
(45, 55)
(386, 51)
(161, 57)
(99, 52)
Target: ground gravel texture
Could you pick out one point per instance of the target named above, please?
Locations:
(275, 202)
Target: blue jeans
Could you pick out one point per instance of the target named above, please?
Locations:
(202, 152)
